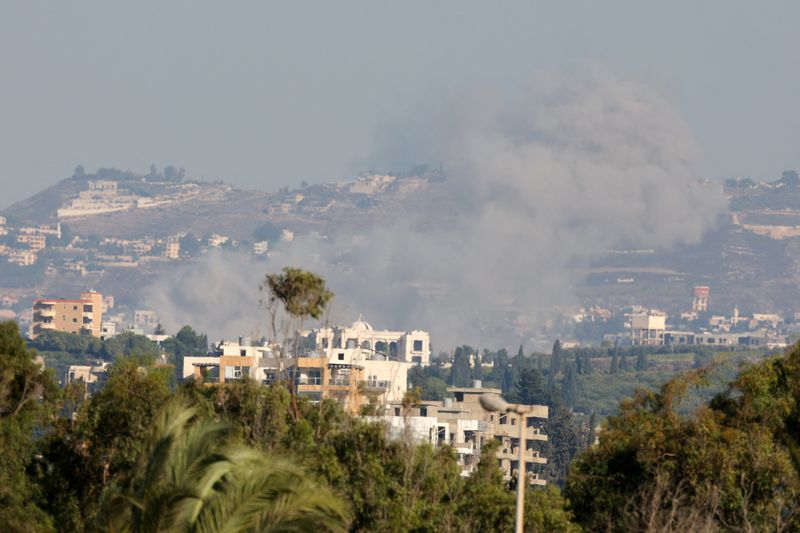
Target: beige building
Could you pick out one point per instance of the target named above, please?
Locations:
(172, 249)
(21, 257)
(36, 241)
(648, 329)
(354, 377)
(462, 423)
(84, 315)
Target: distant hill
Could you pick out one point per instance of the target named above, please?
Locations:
(751, 260)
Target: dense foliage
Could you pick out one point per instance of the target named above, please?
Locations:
(734, 464)
(125, 459)
(143, 455)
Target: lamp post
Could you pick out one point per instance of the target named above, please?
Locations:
(493, 402)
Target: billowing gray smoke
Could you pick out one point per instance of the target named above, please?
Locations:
(542, 182)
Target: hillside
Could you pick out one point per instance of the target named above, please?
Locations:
(752, 258)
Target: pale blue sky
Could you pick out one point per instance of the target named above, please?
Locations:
(263, 94)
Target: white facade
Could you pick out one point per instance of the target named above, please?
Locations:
(648, 329)
(407, 346)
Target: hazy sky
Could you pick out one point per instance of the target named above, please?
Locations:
(263, 94)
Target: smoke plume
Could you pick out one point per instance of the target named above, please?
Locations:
(540, 182)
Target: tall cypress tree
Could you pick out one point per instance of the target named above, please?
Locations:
(569, 386)
(586, 363)
(555, 359)
(641, 361)
(592, 436)
(614, 362)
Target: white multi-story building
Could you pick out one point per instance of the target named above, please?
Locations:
(408, 346)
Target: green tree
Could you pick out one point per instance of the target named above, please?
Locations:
(530, 389)
(28, 396)
(127, 344)
(80, 457)
(459, 372)
(569, 386)
(189, 478)
(728, 465)
(300, 294)
(641, 360)
(555, 361)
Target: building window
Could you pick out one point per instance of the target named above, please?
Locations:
(74, 320)
(351, 343)
(74, 307)
(417, 346)
(423, 411)
(243, 353)
(325, 343)
(341, 356)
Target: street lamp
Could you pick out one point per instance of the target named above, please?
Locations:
(494, 403)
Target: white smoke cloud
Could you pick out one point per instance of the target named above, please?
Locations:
(217, 295)
(542, 182)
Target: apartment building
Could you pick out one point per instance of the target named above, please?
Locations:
(462, 423)
(83, 315)
(355, 377)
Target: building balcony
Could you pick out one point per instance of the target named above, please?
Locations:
(375, 386)
(339, 382)
(507, 430)
(45, 310)
(534, 479)
(512, 454)
(45, 325)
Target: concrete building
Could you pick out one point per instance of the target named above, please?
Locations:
(22, 257)
(172, 249)
(462, 423)
(700, 299)
(648, 329)
(84, 315)
(355, 377)
(408, 346)
(147, 319)
(260, 247)
(233, 361)
(36, 241)
(107, 330)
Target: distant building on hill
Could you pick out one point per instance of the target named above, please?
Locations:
(648, 329)
(84, 315)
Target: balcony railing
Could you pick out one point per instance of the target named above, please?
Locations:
(339, 382)
(375, 384)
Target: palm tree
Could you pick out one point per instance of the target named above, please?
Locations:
(189, 479)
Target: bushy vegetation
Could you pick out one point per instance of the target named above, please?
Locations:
(125, 459)
(144, 455)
